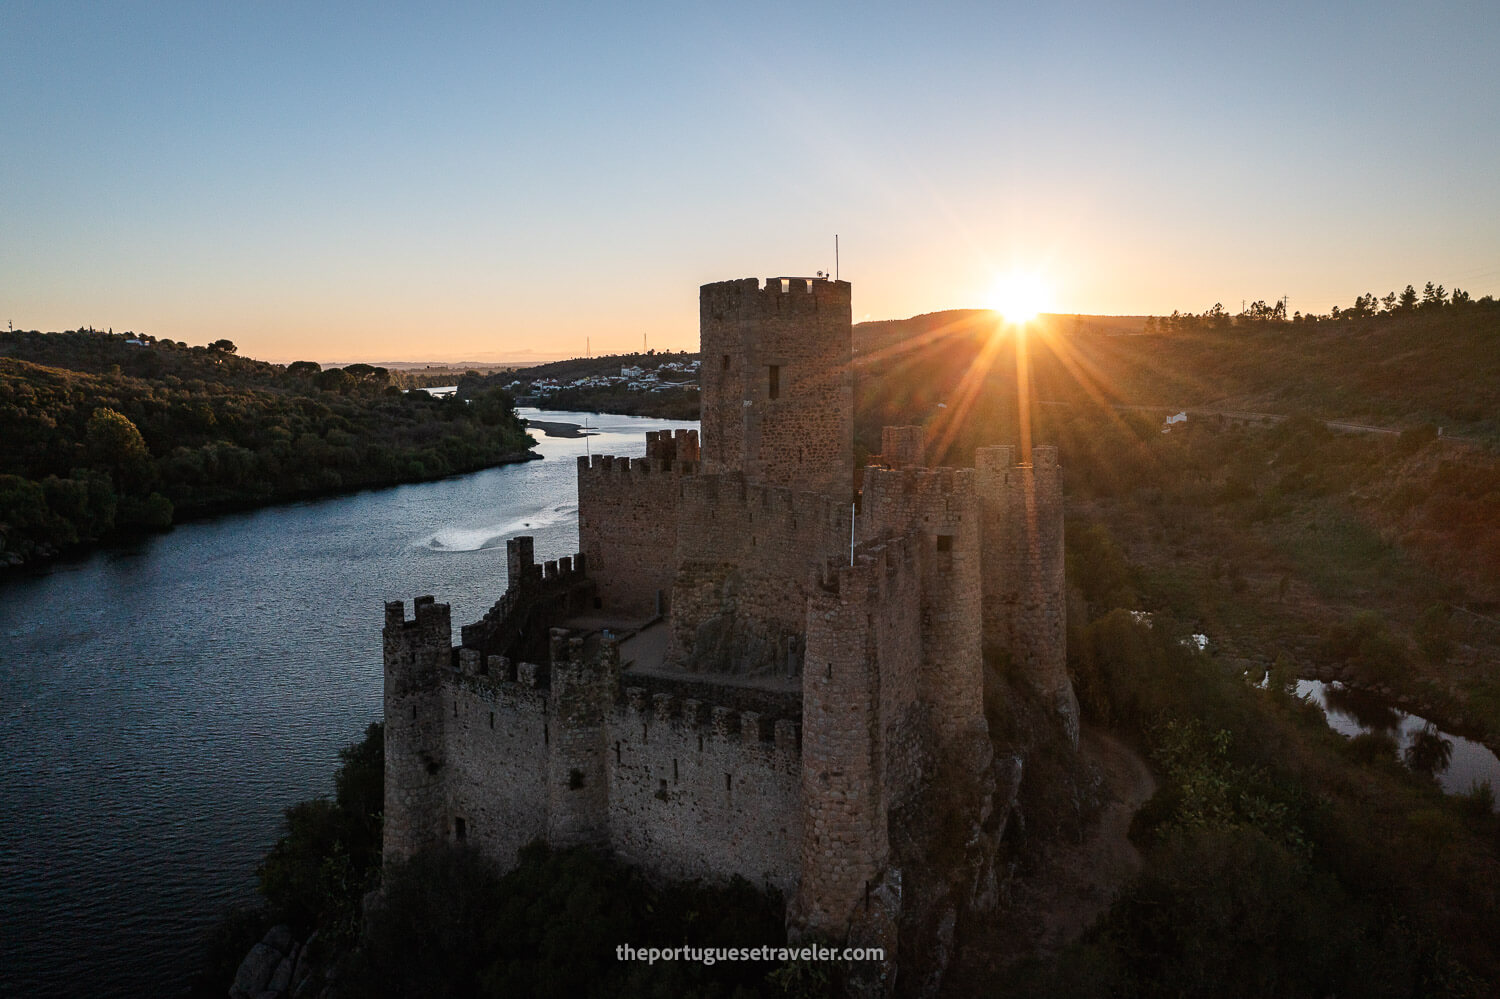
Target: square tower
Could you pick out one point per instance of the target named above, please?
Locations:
(777, 389)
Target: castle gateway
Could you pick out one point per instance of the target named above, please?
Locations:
(712, 686)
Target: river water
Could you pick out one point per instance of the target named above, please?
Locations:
(1351, 712)
(162, 702)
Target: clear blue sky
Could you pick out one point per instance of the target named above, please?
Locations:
(456, 181)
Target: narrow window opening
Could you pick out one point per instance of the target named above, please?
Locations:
(830, 669)
(546, 734)
(786, 285)
(455, 709)
(775, 381)
(460, 829)
(725, 363)
(413, 712)
(674, 771)
(700, 743)
(492, 719)
(645, 730)
(617, 753)
(598, 603)
(945, 542)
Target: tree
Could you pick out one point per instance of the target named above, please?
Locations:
(115, 445)
(303, 368)
(1434, 297)
(1408, 300)
(223, 346)
(1429, 753)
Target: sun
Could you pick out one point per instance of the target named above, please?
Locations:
(1020, 296)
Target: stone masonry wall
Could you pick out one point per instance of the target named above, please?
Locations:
(859, 710)
(941, 505)
(776, 385)
(1024, 605)
(627, 528)
(703, 791)
(744, 556)
(418, 653)
(903, 447)
(497, 742)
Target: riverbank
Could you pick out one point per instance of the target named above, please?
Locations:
(13, 562)
(564, 430)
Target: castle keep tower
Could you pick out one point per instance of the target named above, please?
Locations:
(777, 391)
(735, 677)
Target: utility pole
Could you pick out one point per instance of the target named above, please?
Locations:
(835, 256)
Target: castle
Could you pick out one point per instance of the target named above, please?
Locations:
(747, 669)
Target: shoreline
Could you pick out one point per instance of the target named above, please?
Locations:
(86, 549)
(551, 428)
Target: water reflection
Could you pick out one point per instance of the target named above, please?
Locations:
(1370, 712)
(1460, 764)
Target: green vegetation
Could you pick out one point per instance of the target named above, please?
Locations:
(104, 436)
(447, 923)
(1280, 859)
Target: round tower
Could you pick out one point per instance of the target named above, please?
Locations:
(777, 390)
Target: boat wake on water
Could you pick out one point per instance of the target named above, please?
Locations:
(486, 536)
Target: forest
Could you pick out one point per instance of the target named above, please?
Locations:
(102, 434)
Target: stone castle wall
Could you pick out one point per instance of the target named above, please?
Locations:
(941, 507)
(627, 521)
(775, 382)
(499, 753)
(745, 553)
(418, 654)
(704, 791)
(497, 738)
(861, 725)
(1024, 607)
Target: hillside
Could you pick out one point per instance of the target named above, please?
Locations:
(1438, 366)
(110, 436)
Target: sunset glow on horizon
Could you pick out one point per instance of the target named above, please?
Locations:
(476, 184)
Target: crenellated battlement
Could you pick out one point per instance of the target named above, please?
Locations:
(536, 593)
(723, 722)
(878, 567)
(669, 446)
(608, 470)
(1001, 458)
(748, 299)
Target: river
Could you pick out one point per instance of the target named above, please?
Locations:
(163, 701)
(1351, 711)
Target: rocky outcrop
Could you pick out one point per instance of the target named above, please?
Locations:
(277, 968)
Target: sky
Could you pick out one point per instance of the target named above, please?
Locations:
(446, 181)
